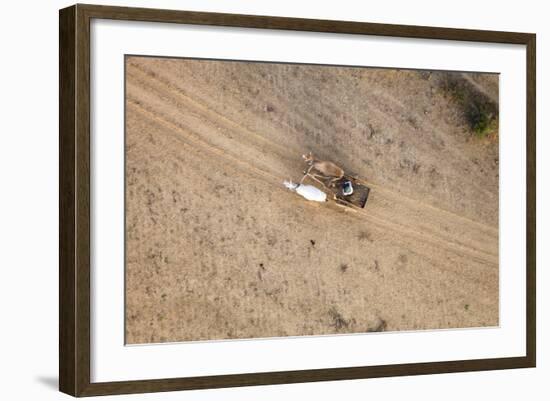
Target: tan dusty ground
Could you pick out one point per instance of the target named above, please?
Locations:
(217, 248)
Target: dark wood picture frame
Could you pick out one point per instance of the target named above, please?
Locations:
(74, 200)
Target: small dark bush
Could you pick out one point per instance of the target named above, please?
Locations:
(480, 112)
(481, 119)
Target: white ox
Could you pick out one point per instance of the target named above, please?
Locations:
(307, 191)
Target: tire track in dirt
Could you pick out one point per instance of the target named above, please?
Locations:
(382, 197)
(309, 119)
(284, 149)
(370, 217)
(458, 272)
(394, 224)
(283, 153)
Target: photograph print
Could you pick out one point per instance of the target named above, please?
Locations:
(267, 199)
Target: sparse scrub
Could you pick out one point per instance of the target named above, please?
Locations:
(337, 320)
(481, 119)
(480, 112)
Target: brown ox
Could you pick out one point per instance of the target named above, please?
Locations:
(323, 168)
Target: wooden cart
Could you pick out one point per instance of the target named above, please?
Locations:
(357, 199)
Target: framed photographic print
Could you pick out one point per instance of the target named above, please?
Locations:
(250, 200)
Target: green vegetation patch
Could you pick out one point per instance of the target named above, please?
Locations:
(482, 119)
(480, 112)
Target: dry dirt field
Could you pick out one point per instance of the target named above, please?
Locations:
(218, 248)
